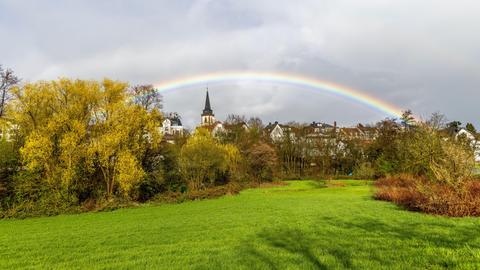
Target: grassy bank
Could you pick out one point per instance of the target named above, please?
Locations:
(302, 225)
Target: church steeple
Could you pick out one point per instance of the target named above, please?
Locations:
(208, 118)
(207, 110)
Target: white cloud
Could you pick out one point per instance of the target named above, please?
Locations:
(416, 54)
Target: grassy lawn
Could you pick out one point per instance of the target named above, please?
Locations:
(477, 169)
(300, 226)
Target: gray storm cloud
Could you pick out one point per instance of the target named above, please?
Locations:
(421, 55)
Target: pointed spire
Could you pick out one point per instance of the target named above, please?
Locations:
(207, 102)
(207, 110)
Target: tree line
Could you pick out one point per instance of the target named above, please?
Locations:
(77, 145)
(70, 143)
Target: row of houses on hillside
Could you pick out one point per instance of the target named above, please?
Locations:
(277, 132)
(315, 130)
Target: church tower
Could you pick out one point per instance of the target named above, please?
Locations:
(208, 118)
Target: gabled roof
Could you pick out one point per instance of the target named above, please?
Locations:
(271, 126)
(320, 125)
(174, 118)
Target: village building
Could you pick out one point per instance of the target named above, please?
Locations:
(277, 131)
(310, 133)
(475, 142)
(317, 130)
(216, 127)
(172, 127)
(208, 120)
(359, 132)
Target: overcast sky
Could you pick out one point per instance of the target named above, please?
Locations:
(417, 54)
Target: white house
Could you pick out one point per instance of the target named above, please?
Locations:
(474, 141)
(172, 125)
(277, 131)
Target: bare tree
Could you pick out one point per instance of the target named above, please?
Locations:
(437, 121)
(255, 122)
(147, 96)
(7, 81)
(234, 119)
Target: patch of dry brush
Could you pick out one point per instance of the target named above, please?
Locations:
(421, 194)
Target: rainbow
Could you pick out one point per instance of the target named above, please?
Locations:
(282, 78)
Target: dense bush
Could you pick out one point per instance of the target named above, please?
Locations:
(77, 141)
(204, 161)
(364, 170)
(262, 162)
(212, 192)
(434, 173)
(9, 162)
(421, 194)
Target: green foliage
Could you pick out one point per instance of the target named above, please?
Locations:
(386, 150)
(428, 153)
(407, 118)
(422, 150)
(471, 128)
(169, 159)
(31, 197)
(364, 170)
(9, 163)
(162, 172)
(454, 126)
(455, 164)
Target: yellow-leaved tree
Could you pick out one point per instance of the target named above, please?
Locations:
(203, 158)
(73, 128)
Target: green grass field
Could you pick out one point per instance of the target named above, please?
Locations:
(300, 226)
(476, 171)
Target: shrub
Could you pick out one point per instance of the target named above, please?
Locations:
(455, 165)
(400, 190)
(231, 188)
(207, 193)
(364, 171)
(262, 162)
(439, 198)
(9, 162)
(204, 161)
